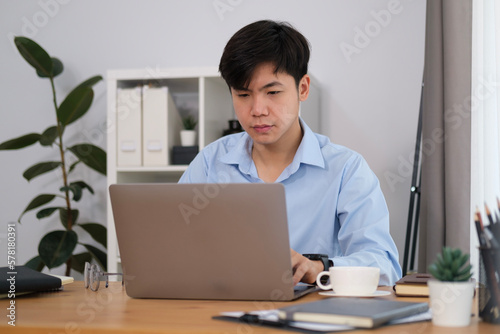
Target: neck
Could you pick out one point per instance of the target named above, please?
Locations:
(271, 159)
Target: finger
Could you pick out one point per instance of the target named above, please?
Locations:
(296, 259)
(299, 273)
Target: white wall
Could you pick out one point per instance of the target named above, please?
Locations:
(370, 93)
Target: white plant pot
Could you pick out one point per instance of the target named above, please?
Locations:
(188, 137)
(451, 302)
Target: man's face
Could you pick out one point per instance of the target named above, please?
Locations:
(268, 109)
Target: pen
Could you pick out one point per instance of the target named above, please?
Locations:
(495, 231)
(488, 214)
(256, 320)
(491, 231)
(491, 238)
(479, 228)
(497, 218)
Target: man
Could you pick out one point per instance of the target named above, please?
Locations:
(337, 213)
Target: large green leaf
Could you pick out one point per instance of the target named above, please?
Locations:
(49, 136)
(78, 261)
(37, 202)
(40, 168)
(77, 189)
(98, 255)
(82, 185)
(35, 55)
(96, 231)
(57, 68)
(46, 212)
(91, 155)
(90, 82)
(20, 142)
(75, 105)
(35, 263)
(56, 247)
(63, 216)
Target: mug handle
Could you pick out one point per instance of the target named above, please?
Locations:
(321, 285)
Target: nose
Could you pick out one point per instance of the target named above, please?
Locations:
(259, 107)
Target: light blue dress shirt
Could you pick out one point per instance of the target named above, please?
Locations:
(334, 202)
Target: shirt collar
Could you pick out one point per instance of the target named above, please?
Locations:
(240, 154)
(308, 152)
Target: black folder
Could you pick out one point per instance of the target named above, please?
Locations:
(23, 279)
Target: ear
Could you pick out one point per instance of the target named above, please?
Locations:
(304, 85)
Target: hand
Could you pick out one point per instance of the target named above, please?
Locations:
(305, 270)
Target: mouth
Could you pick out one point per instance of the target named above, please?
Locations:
(262, 128)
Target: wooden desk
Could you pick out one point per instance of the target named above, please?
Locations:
(77, 310)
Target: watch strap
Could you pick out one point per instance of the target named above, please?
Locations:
(327, 263)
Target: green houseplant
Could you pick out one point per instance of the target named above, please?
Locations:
(451, 266)
(57, 247)
(188, 134)
(452, 290)
(189, 122)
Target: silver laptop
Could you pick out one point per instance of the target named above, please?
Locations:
(204, 241)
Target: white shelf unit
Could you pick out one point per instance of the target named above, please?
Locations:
(198, 91)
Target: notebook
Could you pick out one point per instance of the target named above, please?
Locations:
(204, 241)
(356, 312)
(22, 279)
(413, 285)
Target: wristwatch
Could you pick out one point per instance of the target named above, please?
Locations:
(327, 263)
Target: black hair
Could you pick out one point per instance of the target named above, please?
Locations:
(261, 42)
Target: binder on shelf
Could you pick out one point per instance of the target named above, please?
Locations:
(161, 124)
(128, 127)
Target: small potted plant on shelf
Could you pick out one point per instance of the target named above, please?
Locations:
(188, 134)
(452, 290)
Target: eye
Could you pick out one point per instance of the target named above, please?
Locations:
(274, 92)
(243, 95)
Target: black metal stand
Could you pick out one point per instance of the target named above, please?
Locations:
(414, 208)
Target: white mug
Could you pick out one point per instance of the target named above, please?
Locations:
(351, 281)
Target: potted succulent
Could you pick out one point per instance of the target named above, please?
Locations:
(188, 135)
(452, 290)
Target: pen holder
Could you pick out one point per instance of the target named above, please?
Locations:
(489, 288)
